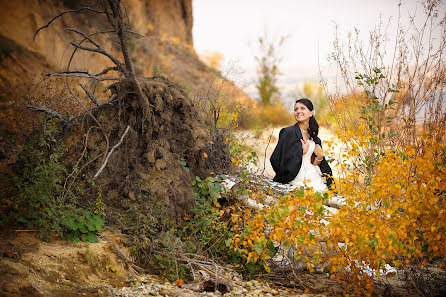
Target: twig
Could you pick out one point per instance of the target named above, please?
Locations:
(111, 151)
(293, 270)
(264, 160)
(92, 98)
(82, 76)
(409, 273)
(88, 111)
(106, 70)
(48, 111)
(85, 36)
(61, 14)
(100, 51)
(133, 268)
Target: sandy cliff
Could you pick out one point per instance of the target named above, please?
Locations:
(168, 44)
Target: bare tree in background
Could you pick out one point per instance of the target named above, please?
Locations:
(411, 60)
(268, 61)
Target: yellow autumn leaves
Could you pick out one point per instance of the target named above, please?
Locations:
(397, 217)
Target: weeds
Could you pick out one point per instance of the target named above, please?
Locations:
(37, 189)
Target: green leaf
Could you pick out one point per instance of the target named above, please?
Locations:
(90, 237)
(83, 228)
(22, 220)
(258, 249)
(72, 237)
(271, 248)
(297, 223)
(311, 236)
(235, 259)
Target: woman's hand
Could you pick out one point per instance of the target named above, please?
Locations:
(319, 152)
(305, 145)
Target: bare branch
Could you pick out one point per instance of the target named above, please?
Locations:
(82, 76)
(48, 111)
(75, 49)
(68, 72)
(93, 34)
(85, 36)
(106, 70)
(101, 51)
(61, 14)
(88, 111)
(92, 98)
(111, 151)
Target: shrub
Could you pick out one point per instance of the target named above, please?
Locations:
(37, 188)
(394, 212)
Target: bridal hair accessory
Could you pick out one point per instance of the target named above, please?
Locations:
(314, 112)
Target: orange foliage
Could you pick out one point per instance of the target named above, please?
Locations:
(397, 218)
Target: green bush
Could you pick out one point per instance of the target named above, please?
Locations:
(36, 187)
(82, 224)
(205, 230)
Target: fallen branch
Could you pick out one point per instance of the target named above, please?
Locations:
(133, 268)
(111, 151)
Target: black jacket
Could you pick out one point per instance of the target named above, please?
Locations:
(287, 156)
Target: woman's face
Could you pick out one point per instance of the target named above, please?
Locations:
(302, 113)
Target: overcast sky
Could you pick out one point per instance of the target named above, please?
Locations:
(233, 26)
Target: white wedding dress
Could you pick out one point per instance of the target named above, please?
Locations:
(309, 175)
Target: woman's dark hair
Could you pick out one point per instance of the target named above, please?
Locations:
(313, 126)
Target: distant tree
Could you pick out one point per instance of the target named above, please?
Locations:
(268, 67)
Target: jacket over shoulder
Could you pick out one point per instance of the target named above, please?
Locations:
(286, 159)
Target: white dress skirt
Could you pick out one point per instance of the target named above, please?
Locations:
(309, 175)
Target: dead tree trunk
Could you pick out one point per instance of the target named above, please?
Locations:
(118, 24)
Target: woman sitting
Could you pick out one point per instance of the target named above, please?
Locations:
(298, 158)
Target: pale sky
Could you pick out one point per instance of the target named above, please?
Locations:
(230, 26)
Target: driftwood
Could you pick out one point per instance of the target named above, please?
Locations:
(132, 267)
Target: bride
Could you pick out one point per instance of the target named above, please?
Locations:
(298, 158)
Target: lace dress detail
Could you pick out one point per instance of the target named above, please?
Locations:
(309, 175)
